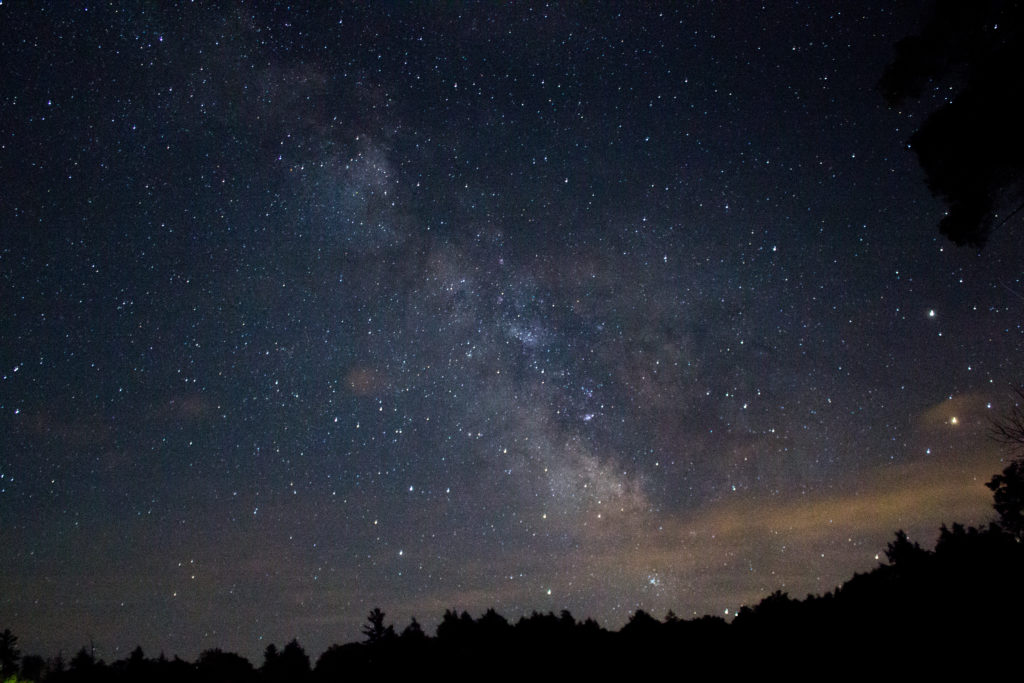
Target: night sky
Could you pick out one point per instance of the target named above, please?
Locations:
(444, 305)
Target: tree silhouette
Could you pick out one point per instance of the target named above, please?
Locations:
(641, 625)
(9, 653)
(1008, 486)
(32, 667)
(375, 630)
(904, 554)
(968, 57)
(83, 660)
(217, 666)
(287, 665)
(1008, 498)
(270, 658)
(414, 632)
(84, 666)
(294, 662)
(455, 627)
(492, 627)
(1009, 429)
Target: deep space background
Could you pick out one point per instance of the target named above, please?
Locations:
(314, 308)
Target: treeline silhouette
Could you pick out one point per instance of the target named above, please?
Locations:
(919, 611)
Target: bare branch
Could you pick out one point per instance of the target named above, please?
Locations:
(1009, 429)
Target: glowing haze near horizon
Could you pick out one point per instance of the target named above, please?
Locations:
(466, 306)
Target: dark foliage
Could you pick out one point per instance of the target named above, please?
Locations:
(1008, 495)
(1008, 486)
(375, 630)
(215, 666)
(967, 592)
(413, 633)
(904, 553)
(9, 653)
(1009, 429)
(33, 668)
(968, 58)
(285, 666)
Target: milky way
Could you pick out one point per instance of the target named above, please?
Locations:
(307, 311)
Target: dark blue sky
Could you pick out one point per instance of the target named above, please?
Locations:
(307, 311)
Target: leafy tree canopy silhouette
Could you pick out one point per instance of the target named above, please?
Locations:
(1008, 494)
(414, 631)
(902, 553)
(968, 59)
(1008, 486)
(9, 653)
